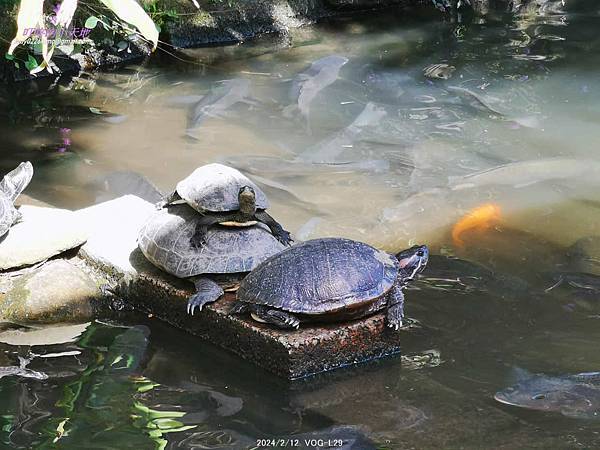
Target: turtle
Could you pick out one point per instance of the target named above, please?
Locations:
(165, 241)
(11, 187)
(223, 195)
(329, 279)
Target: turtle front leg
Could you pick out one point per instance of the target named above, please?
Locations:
(395, 307)
(275, 317)
(207, 291)
(168, 200)
(198, 239)
(277, 230)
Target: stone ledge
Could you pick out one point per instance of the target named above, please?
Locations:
(290, 354)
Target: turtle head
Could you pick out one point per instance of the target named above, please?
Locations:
(412, 261)
(247, 200)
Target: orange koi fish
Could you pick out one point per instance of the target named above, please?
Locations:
(479, 218)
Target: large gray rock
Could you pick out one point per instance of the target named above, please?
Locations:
(113, 228)
(56, 292)
(42, 233)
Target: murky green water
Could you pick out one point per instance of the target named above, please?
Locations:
(527, 143)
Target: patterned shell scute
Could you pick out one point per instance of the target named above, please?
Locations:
(321, 276)
(215, 187)
(165, 241)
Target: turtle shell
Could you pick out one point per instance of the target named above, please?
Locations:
(11, 187)
(215, 188)
(16, 180)
(7, 214)
(321, 276)
(165, 242)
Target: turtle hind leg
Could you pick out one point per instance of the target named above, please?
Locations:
(277, 230)
(207, 291)
(168, 199)
(203, 223)
(395, 308)
(275, 317)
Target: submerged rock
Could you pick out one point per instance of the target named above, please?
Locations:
(54, 293)
(47, 335)
(41, 234)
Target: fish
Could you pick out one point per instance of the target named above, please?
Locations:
(329, 150)
(577, 280)
(215, 104)
(125, 182)
(575, 395)
(483, 103)
(526, 173)
(307, 85)
(481, 217)
(477, 101)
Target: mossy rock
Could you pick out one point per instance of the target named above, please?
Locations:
(56, 292)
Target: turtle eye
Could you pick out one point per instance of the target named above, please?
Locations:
(420, 253)
(539, 397)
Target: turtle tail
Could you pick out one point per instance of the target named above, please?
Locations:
(239, 308)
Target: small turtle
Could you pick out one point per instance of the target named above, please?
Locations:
(439, 71)
(11, 186)
(165, 242)
(329, 279)
(225, 196)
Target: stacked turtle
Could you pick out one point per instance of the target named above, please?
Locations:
(213, 229)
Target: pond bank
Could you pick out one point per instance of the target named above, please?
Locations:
(215, 23)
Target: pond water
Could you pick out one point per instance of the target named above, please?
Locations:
(382, 154)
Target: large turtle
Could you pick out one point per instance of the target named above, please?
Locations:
(11, 186)
(329, 279)
(225, 196)
(165, 242)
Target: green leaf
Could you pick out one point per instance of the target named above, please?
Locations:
(131, 12)
(91, 22)
(31, 63)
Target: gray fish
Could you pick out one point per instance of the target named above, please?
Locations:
(317, 77)
(525, 173)
(482, 103)
(119, 183)
(329, 150)
(578, 280)
(218, 102)
(475, 100)
(576, 396)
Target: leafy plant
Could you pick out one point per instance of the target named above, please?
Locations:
(159, 15)
(31, 17)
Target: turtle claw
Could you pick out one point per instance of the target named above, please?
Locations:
(192, 306)
(285, 238)
(395, 326)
